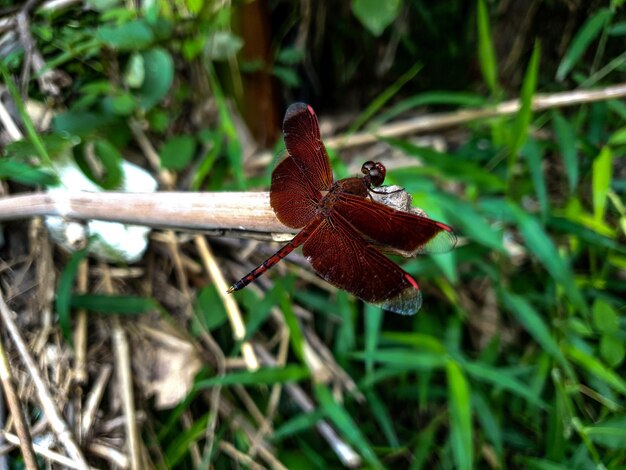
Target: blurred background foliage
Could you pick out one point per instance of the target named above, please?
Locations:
(517, 356)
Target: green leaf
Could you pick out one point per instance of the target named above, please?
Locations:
(135, 71)
(376, 15)
(610, 433)
(597, 369)
(110, 159)
(383, 98)
(26, 174)
(601, 181)
(372, 317)
(383, 417)
(605, 318)
(346, 425)
(486, 50)
(533, 153)
(450, 166)
(583, 38)
(460, 416)
(128, 36)
(295, 332)
(114, 304)
(64, 293)
(267, 376)
(210, 311)
(403, 358)
(159, 75)
(540, 244)
(530, 319)
(297, 424)
(612, 350)
(566, 138)
(524, 115)
(503, 379)
(177, 152)
(618, 137)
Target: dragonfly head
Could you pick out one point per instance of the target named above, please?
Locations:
(374, 173)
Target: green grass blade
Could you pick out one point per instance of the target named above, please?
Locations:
(297, 424)
(566, 138)
(373, 318)
(114, 304)
(542, 246)
(346, 425)
(533, 154)
(295, 332)
(524, 115)
(64, 293)
(383, 98)
(502, 379)
(486, 49)
(460, 416)
(530, 319)
(381, 413)
(267, 375)
(597, 369)
(583, 38)
(601, 181)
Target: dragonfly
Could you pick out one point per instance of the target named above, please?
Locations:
(344, 231)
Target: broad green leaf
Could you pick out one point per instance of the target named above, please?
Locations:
(524, 115)
(566, 138)
(177, 152)
(597, 369)
(605, 318)
(114, 304)
(601, 181)
(488, 421)
(583, 38)
(530, 319)
(65, 288)
(267, 376)
(461, 435)
(26, 174)
(159, 75)
(486, 50)
(612, 349)
(376, 15)
(346, 425)
(128, 36)
(135, 71)
(533, 153)
(540, 244)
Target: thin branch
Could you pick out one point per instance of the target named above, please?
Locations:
(58, 425)
(435, 122)
(13, 401)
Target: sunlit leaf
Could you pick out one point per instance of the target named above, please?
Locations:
(486, 50)
(460, 416)
(601, 181)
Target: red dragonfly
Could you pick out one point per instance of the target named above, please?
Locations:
(342, 227)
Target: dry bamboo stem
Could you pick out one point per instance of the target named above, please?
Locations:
(191, 211)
